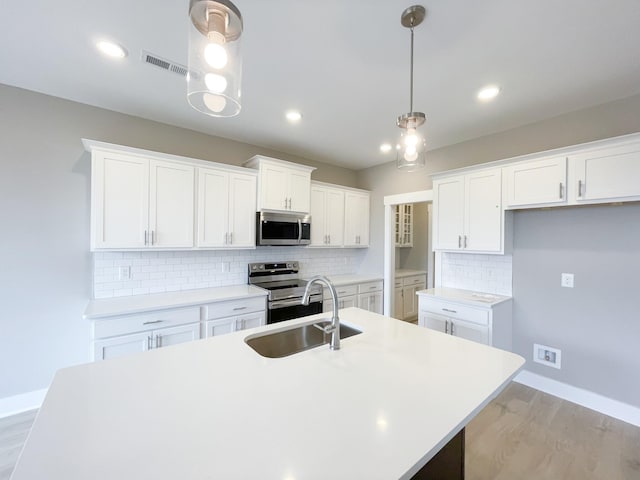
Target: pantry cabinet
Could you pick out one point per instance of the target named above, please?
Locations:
(226, 209)
(536, 183)
(327, 215)
(468, 213)
(140, 203)
(404, 225)
(282, 186)
(356, 219)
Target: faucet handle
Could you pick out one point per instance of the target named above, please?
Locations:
(326, 328)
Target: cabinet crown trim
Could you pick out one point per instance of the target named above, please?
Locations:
(255, 161)
(315, 183)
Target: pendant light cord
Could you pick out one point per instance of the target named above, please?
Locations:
(411, 76)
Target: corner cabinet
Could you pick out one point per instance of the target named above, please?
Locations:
(140, 203)
(468, 213)
(282, 186)
(226, 209)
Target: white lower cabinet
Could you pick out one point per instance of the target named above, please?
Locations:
(490, 325)
(366, 295)
(230, 316)
(406, 298)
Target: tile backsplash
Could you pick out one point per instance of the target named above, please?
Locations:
(482, 273)
(117, 274)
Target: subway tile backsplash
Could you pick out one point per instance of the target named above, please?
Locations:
(156, 272)
(482, 273)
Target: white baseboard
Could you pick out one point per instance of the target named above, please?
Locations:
(594, 401)
(21, 403)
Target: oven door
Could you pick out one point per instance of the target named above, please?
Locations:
(281, 310)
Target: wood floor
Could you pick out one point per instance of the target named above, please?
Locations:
(523, 434)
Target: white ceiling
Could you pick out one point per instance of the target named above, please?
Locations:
(343, 63)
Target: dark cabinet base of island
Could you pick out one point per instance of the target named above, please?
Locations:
(447, 464)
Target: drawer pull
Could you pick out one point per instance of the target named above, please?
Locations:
(341, 292)
(448, 310)
(239, 308)
(372, 288)
(152, 322)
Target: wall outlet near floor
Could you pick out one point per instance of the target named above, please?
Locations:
(547, 355)
(566, 280)
(124, 272)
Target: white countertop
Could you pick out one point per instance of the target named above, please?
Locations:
(378, 408)
(468, 297)
(403, 272)
(107, 307)
(341, 280)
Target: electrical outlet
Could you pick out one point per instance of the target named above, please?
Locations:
(548, 356)
(124, 272)
(226, 267)
(566, 280)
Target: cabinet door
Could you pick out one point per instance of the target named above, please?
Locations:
(121, 345)
(171, 200)
(120, 201)
(166, 337)
(242, 211)
(213, 208)
(434, 321)
(250, 320)
(398, 304)
(448, 213)
(220, 326)
(414, 295)
(347, 302)
(409, 302)
(483, 211)
(542, 182)
(318, 220)
(299, 191)
(356, 220)
(334, 217)
(375, 302)
(470, 331)
(608, 174)
(274, 188)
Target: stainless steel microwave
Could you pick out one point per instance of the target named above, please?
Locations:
(282, 229)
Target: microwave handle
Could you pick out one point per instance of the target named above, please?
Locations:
(299, 231)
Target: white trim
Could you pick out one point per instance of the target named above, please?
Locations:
(21, 403)
(411, 197)
(594, 401)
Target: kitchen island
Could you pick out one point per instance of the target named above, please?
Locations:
(379, 408)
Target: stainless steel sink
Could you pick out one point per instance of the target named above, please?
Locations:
(297, 339)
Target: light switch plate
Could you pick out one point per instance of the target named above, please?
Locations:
(566, 280)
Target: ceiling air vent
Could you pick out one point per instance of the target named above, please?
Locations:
(163, 63)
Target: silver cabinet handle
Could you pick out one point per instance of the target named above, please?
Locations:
(158, 341)
(325, 239)
(289, 203)
(230, 238)
(341, 292)
(579, 188)
(453, 328)
(459, 241)
(226, 238)
(561, 188)
(239, 308)
(465, 241)
(372, 288)
(145, 237)
(446, 326)
(152, 322)
(329, 239)
(448, 310)
(149, 347)
(153, 237)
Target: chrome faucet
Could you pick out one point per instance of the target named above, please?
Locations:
(334, 327)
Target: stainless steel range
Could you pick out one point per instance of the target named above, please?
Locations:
(285, 290)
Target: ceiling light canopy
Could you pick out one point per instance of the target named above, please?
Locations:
(411, 149)
(111, 49)
(488, 93)
(293, 116)
(215, 63)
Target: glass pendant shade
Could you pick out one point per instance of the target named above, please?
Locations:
(411, 149)
(215, 61)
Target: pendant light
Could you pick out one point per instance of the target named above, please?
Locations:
(411, 149)
(215, 63)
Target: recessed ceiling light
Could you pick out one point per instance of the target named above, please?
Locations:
(111, 49)
(385, 148)
(293, 116)
(488, 93)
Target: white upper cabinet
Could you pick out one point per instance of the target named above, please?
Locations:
(138, 202)
(282, 186)
(468, 213)
(226, 209)
(536, 183)
(607, 174)
(327, 216)
(356, 219)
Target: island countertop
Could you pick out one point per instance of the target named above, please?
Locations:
(378, 408)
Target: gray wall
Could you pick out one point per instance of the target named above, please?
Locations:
(45, 264)
(596, 324)
(603, 121)
(415, 258)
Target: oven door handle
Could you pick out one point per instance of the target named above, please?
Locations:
(293, 302)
